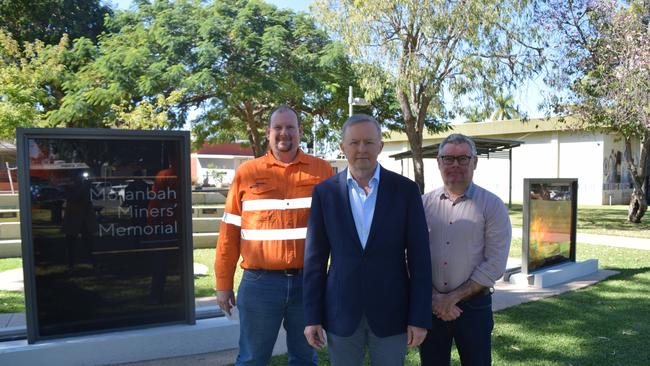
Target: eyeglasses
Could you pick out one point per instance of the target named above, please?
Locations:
(461, 159)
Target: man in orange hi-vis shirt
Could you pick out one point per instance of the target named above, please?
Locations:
(265, 221)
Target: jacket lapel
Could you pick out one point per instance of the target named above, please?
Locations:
(348, 219)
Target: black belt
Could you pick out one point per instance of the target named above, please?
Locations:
(286, 272)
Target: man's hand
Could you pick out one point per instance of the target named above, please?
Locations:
(415, 335)
(226, 300)
(444, 306)
(451, 315)
(315, 336)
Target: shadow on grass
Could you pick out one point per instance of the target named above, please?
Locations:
(605, 324)
(606, 218)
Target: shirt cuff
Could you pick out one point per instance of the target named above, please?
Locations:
(482, 278)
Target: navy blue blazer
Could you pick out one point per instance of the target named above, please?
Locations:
(389, 281)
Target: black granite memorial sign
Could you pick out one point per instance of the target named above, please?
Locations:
(549, 228)
(106, 230)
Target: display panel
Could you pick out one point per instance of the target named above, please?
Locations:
(108, 222)
(549, 222)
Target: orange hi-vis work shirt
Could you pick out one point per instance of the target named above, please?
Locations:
(265, 219)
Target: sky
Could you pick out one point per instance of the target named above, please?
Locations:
(527, 96)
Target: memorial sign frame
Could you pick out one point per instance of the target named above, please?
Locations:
(543, 223)
(75, 172)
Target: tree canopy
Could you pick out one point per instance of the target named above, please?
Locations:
(603, 62)
(31, 79)
(222, 65)
(430, 52)
(48, 20)
(231, 62)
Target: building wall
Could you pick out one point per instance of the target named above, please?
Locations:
(560, 154)
(545, 154)
(581, 157)
(338, 165)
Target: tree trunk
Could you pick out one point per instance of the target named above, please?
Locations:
(638, 206)
(414, 126)
(415, 143)
(258, 142)
(418, 165)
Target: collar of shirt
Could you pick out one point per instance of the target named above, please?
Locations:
(374, 181)
(468, 194)
(301, 158)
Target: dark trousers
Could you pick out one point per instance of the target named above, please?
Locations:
(471, 331)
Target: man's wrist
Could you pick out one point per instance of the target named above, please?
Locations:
(468, 290)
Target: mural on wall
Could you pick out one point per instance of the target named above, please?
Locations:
(611, 167)
(616, 174)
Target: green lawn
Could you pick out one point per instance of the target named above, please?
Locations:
(606, 220)
(10, 263)
(604, 324)
(205, 285)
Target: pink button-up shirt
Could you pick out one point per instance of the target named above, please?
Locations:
(469, 238)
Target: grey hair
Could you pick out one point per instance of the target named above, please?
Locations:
(358, 118)
(456, 139)
(284, 109)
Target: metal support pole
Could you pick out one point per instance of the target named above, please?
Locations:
(350, 99)
(11, 181)
(510, 178)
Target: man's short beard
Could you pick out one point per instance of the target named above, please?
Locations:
(290, 148)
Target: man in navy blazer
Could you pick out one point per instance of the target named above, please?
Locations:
(368, 223)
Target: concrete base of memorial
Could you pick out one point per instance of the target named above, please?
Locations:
(208, 335)
(557, 274)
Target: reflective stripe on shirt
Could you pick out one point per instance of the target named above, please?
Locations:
(274, 234)
(270, 204)
(229, 218)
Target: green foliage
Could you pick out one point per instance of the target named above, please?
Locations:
(498, 107)
(49, 20)
(30, 80)
(603, 65)
(137, 75)
(230, 61)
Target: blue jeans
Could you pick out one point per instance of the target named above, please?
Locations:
(472, 332)
(264, 300)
